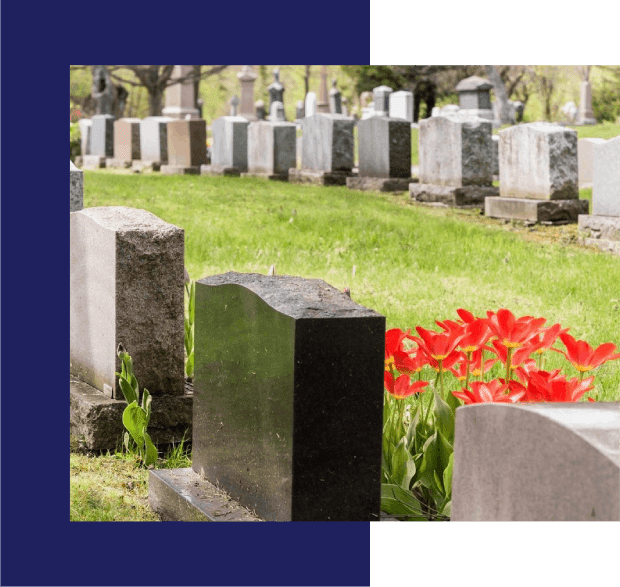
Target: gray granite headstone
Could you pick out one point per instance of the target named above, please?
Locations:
(271, 147)
(335, 99)
(275, 89)
(127, 287)
(278, 407)
(76, 177)
(86, 125)
(474, 93)
(276, 113)
(260, 110)
(299, 110)
(606, 181)
(381, 97)
(537, 462)
(384, 147)
(327, 142)
(154, 138)
(230, 142)
(102, 135)
(401, 105)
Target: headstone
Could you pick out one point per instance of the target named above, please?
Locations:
(570, 111)
(230, 143)
(519, 107)
(436, 111)
(495, 153)
(102, 135)
(345, 106)
(154, 139)
(585, 157)
(234, 103)
(335, 102)
(606, 183)
(381, 97)
(456, 158)
(449, 109)
(299, 110)
(187, 146)
(260, 110)
(267, 429)
(538, 175)
(127, 287)
(537, 462)
(86, 125)
(277, 112)
(126, 142)
(401, 105)
(586, 116)
(76, 177)
(275, 89)
(271, 149)
(180, 97)
(323, 103)
(310, 107)
(474, 93)
(327, 150)
(247, 77)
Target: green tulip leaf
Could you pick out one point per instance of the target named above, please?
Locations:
(398, 502)
(134, 419)
(128, 391)
(151, 451)
(447, 476)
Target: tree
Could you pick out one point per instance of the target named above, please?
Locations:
(505, 110)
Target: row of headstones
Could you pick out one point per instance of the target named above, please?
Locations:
(267, 425)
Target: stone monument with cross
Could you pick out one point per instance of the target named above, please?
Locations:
(234, 103)
(275, 89)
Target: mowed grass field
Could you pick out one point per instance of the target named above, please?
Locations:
(411, 263)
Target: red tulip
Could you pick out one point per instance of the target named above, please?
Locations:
(491, 392)
(438, 345)
(513, 332)
(551, 386)
(402, 387)
(476, 334)
(583, 356)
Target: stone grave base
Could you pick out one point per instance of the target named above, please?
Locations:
(96, 419)
(541, 211)
(180, 170)
(319, 177)
(219, 170)
(455, 197)
(145, 166)
(182, 495)
(93, 162)
(79, 161)
(272, 176)
(380, 184)
(600, 231)
(118, 163)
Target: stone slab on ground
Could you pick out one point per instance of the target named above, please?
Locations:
(93, 162)
(179, 170)
(219, 170)
(602, 232)
(96, 423)
(112, 162)
(272, 176)
(468, 196)
(182, 495)
(318, 177)
(145, 166)
(380, 184)
(548, 211)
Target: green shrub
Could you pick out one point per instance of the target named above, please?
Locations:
(606, 101)
(75, 140)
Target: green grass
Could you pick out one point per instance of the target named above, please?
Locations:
(411, 263)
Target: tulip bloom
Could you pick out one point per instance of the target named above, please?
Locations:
(491, 392)
(583, 357)
(438, 345)
(476, 334)
(513, 332)
(402, 387)
(551, 386)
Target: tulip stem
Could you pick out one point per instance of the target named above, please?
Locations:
(467, 369)
(482, 364)
(441, 378)
(508, 357)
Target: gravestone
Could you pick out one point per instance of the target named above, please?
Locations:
(277, 112)
(537, 462)
(381, 98)
(187, 147)
(310, 106)
(602, 228)
(475, 97)
(234, 103)
(299, 110)
(384, 155)
(76, 177)
(538, 175)
(275, 89)
(86, 125)
(323, 103)
(267, 428)
(101, 141)
(586, 116)
(271, 149)
(585, 158)
(327, 150)
(335, 99)
(456, 157)
(495, 164)
(230, 146)
(401, 105)
(345, 106)
(180, 97)
(247, 77)
(126, 143)
(260, 110)
(153, 142)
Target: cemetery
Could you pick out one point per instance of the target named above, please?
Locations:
(390, 331)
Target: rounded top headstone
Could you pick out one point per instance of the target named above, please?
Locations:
(473, 83)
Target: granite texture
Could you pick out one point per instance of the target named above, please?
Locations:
(102, 135)
(127, 287)
(606, 182)
(384, 147)
(327, 143)
(286, 369)
(76, 177)
(187, 143)
(452, 196)
(230, 143)
(538, 161)
(600, 227)
(154, 138)
(271, 147)
(537, 462)
(127, 139)
(455, 150)
(495, 156)
(548, 211)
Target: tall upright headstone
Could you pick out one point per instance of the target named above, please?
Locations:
(455, 154)
(401, 105)
(381, 98)
(277, 112)
(335, 99)
(126, 143)
(230, 146)
(180, 97)
(586, 116)
(101, 141)
(538, 175)
(76, 177)
(310, 104)
(247, 78)
(154, 141)
(585, 157)
(271, 149)
(299, 110)
(602, 228)
(323, 102)
(296, 451)
(187, 146)
(86, 125)
(275, 89)
(259, 107)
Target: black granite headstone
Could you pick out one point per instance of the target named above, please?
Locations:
(288, 397)
(384, 147)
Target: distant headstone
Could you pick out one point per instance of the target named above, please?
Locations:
(86, 125)
(323, 103)
(495, 165)
(606, 182)
(381, 97)
(76, 177)
(345, 106)
(519, 107)
(127, 139)
(180, 97)
(585, 158)
(247, 77)
(102, 135)
(299, 110)
(275, 89)
(570, 111)
(474, 93)
(277, 112)
(436, 111)
(154, 138)
(310, 107)
(586, 116)
(271, 148)
(291, 453)
(127, 287)
(537, 462)
(234, 103)
(187, 146)
(230, 143)
(401, 105)
(335, 99)
(260, 110)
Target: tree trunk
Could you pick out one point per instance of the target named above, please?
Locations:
(307, 80)
(505, 111)
(155, 101)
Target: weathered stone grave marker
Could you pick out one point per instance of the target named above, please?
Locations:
(230, 147)
(126, 143)
(381, 98)
(401, 105)
(101, 141)
(271, 149)
(187, 146)
(475, 97)
(585, 158)
(335, 99)
(180, 97)
(247, 77)
(153, 143)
